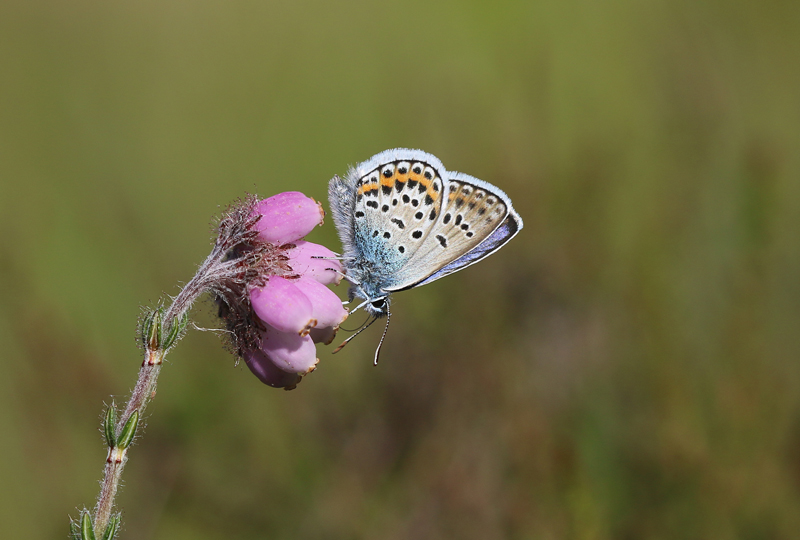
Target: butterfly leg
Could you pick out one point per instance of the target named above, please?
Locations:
(345, 276)
(336, 258)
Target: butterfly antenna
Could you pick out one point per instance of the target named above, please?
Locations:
(345, 342)
(380, 343)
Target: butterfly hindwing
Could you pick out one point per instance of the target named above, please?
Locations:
(476, 219)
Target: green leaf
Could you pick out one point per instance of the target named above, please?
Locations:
(87, 529)
(176, 329)
(128, 431)
(110, 425)
(74, 530)
(112, 528)
(153, 329)
(147, 326)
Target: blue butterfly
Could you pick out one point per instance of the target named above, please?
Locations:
(404, 221)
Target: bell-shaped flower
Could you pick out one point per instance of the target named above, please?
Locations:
(315, 261)
(283, 306)
(287, 217)
(290, 307)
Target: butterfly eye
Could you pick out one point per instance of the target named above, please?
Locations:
(379, 304)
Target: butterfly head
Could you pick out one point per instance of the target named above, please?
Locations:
(378, 308)
(376, 305)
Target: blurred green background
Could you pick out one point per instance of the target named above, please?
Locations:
(626, 368)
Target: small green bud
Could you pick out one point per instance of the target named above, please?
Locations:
(110, 425)
(128, 431)
(147, 326)
(176, 329)
(112, 528)
(152, 329)
(87, 529)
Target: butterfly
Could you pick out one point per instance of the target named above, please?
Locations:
(405, 221)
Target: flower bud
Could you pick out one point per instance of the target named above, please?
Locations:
(327, 308)
(315, 261)
(287, 217)
(268, 373)
(283, 306)
(289, 351)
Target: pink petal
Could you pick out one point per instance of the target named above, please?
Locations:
(287, 217)
(302, 261)
(290, 352)
(282, 305)
(327, 307)
(324, 335)
(268, 373)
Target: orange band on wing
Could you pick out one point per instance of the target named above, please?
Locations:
(367, 187)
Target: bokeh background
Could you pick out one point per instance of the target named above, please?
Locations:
(626, 368)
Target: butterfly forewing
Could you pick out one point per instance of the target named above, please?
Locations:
(397, 205)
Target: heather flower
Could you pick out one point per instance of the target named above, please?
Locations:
(281, 312)
(271, 289)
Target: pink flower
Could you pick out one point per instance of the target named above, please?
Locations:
(296, 309)
(287, 217)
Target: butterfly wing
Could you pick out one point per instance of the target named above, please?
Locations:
(342, 199)
(384, 207)
(405, 221)
(476, 220)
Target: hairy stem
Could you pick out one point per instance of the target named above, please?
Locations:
(142, 393)
(237, 259)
